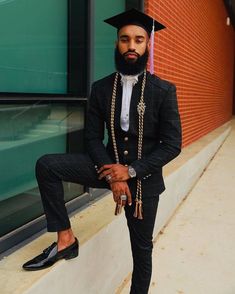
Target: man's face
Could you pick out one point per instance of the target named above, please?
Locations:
(133, 41)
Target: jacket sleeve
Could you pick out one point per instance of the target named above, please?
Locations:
(94, 133)
(169, 145)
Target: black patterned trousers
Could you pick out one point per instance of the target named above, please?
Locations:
(52, 169)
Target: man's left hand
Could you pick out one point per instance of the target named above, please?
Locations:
(116, 172)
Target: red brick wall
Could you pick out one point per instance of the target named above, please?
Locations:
(196, 53)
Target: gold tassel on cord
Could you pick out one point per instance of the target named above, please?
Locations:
(138, 209)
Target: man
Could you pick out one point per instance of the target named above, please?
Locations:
(141, 115)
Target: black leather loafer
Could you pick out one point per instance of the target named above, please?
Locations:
(51, 255)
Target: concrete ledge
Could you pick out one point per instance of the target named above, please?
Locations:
(105, 257)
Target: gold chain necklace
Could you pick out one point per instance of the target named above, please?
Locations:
(140, 109)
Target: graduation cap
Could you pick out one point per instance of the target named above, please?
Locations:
(135, 17)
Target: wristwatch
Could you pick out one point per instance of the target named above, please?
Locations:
(131, 172)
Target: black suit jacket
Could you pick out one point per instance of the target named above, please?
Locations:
(162, 130)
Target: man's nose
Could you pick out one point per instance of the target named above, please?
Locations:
(131, 46)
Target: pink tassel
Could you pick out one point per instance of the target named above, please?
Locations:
(152, 51)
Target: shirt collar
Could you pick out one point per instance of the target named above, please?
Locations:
(129, 78)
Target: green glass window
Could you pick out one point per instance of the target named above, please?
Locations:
(28, 131)
(105, 36)
(33, 46)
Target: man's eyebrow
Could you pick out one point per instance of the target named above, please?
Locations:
(126, 36)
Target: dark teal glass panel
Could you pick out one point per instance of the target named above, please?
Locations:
(33, 46)
(105, 36)
(26, 133)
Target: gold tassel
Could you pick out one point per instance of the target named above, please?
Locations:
(136, 208)
(140, 210)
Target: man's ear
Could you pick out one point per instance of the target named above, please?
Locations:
(149, 44)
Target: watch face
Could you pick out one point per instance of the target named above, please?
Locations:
(132, 172)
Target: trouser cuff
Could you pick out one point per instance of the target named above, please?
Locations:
(55, 227)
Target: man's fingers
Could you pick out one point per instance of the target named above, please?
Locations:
(121, 202)
(104, 174)
(120, 189)
(106, 166)
(115, 198)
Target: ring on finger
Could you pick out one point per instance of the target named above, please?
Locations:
(108, 178)
(123, 197)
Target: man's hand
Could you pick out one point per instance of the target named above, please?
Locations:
(116, 172)
(118, 189)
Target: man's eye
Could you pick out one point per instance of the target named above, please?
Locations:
(139, 41)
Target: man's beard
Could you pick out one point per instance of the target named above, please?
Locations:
(129, 67)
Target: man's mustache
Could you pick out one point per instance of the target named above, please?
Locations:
(131, 52)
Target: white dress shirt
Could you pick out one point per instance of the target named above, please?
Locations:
(127, 85)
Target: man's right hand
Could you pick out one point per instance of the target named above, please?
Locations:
(121, 188)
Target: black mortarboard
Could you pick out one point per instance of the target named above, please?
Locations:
(135, 17)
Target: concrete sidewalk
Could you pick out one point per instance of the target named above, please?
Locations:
(195, 254)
